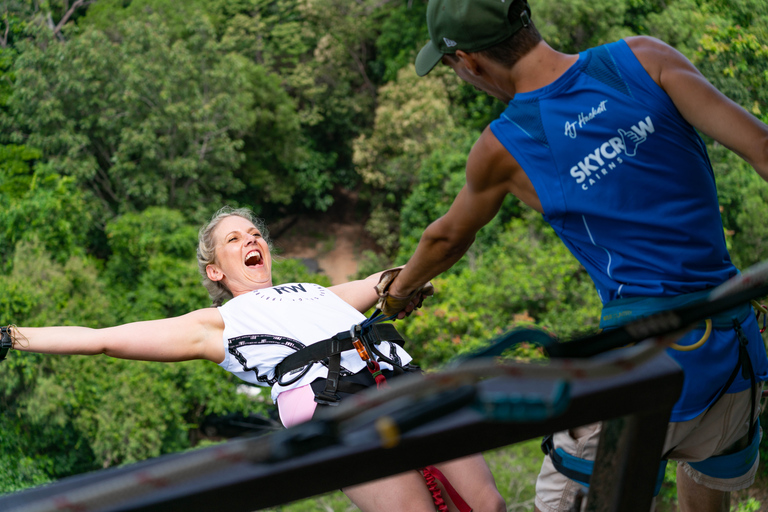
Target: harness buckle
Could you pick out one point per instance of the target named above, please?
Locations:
(332, 401)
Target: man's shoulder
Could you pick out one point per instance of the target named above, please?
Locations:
(647, 48)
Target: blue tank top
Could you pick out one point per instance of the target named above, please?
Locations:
(623, 179)
(627, 185)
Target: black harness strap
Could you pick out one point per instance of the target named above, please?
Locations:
(6, 342)
(745, 363)
(339, 343)
(331, 350)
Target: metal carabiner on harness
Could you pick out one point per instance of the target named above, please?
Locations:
(358, 341)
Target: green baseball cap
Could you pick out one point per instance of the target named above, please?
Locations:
(470, 26)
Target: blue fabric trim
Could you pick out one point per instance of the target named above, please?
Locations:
(621, 311)
(527, 117)
(586, 467)
(577, 464)
(733, 465)
(602, 67)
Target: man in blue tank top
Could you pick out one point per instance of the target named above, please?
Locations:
(604, 145)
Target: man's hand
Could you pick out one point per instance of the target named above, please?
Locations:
(401, 306)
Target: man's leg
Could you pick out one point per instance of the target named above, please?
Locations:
(693, 497)
(554, 491)
(721, 430)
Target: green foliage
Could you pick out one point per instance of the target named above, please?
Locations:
(403, 33)
(121, 133)
(286, 270)
(177, 16)
(41, 291)
(744, 200)
(571, 26)
(41, 204)
(153, 270)
(140, 121)
(439, 178)
(681, 24)
(522, 280)
(751, 505)
(735, 60)
(413, 120)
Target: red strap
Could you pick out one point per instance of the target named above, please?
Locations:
(437, 496)
(375, 369)
(456, 498)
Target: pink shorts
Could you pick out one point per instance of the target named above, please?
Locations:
(296, 405)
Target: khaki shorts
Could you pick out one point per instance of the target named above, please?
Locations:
(711, 433)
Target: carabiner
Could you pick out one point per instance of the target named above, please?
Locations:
(760, 309)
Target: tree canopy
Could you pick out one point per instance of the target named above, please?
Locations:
(124, 124)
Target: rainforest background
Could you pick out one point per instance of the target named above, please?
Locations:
(125, 124)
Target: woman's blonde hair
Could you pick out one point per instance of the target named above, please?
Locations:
(206, 249)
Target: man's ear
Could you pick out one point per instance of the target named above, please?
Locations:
(214, 273)
(469, 61)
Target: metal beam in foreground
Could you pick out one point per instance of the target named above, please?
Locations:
(638, 402)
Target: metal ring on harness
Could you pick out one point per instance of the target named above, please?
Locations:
(704, 338)
(300, 375)
(761, 309)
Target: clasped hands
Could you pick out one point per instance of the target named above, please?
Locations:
(392, 305)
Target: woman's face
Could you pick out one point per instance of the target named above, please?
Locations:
(243, 262)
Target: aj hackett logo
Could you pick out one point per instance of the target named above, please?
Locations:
(570, 128)
(607, 156)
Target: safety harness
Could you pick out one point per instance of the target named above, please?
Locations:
(723, 466)
(364, 338)
(361, 337)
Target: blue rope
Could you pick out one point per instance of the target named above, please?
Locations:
(375, 318)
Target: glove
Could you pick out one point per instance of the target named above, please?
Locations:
(392, 305)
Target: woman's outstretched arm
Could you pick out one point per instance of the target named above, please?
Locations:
(360, 294)
(196, 335)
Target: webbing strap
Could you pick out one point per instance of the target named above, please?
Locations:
(329, 395)
(452, 492)
(580, 470)
(339, 343)
(732, 465)
(747, 371)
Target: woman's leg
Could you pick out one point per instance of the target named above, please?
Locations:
(405, 492)
(473, 480)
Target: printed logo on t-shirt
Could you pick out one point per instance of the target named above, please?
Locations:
(293, 292)
(606, 157)
(570, 127)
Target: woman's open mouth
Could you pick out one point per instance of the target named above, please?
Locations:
(253, 259)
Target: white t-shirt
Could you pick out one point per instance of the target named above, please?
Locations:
(263, 327)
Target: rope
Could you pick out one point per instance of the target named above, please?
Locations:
(437, 496)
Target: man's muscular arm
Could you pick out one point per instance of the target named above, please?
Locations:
(701, 104)
(444, 242)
